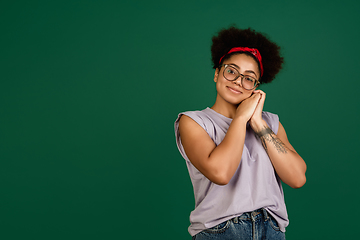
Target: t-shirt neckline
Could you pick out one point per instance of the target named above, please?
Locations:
(219, 114)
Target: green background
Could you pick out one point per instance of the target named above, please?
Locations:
(90, 91)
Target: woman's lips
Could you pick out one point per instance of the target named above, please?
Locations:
(233, 90)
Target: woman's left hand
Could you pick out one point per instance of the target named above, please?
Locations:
(287, 163)
(256, 121)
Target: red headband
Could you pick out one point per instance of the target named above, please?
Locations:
(253, 51)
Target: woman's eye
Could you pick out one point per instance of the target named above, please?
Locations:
(230, 71)
(249, 79)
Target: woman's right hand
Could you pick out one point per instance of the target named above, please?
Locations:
(247, 107)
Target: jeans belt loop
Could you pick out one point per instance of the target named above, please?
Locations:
(266, 215)
(254, 214)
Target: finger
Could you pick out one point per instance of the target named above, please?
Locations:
(261, 101)
(257, 96)
(259, 92)
(263, 96)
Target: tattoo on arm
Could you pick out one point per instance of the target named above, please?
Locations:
(266, 135)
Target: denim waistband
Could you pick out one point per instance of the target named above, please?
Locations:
(259, 213)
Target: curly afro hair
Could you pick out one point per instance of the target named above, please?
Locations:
(227, 39)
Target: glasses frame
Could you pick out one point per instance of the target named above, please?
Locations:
(257, 82)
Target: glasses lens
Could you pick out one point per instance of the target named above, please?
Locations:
(230, 73)
(248, 82)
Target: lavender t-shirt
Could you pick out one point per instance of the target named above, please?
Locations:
(254, 185)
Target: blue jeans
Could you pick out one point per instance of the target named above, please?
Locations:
(254, 225)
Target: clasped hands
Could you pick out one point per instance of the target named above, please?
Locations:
(251, 109)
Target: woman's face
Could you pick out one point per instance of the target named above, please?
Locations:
(232, 91)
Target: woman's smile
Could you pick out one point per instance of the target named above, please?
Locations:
(234, 90)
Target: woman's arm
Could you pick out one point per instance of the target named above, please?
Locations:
(287, 162)
(217, 163)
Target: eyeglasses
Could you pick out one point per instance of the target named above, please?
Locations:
(230, 73)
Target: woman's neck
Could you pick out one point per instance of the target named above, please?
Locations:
(224, 108)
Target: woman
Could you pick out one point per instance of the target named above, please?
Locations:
(237, 154)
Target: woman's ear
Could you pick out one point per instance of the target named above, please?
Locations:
(216, 75)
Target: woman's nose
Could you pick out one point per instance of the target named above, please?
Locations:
(238, 81)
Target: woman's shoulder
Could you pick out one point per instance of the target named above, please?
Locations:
(202, 112)
(198, 116)
(270, 115)
(272, 120)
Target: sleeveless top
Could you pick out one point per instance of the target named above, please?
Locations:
(254, 185)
